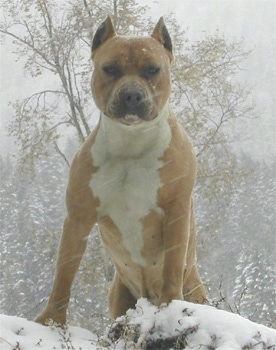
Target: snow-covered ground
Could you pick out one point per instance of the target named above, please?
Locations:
(181, 324)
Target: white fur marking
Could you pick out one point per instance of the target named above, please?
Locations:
(127, 180)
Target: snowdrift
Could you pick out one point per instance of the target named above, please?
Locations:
(181, 325)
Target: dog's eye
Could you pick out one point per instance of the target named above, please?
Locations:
(150, 72)
(111, 70)
(153, 70)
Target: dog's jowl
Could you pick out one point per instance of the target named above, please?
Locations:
(134, 176)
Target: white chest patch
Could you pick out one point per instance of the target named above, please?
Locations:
(128, 179)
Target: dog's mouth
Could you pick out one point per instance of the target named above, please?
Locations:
(130, 106)
(131, 119)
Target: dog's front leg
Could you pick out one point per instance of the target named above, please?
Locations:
(72, 246)
(176, 232)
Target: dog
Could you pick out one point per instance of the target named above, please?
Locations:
(134, 176)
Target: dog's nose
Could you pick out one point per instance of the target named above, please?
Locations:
(132, 101)
(132, 97)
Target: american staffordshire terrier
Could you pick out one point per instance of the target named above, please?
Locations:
(134, 176)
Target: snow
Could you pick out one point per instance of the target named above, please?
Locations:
(193, 326)
(19, 334)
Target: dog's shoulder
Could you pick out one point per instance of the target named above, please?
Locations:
(80, 202)
(179, 169)
(83, 157)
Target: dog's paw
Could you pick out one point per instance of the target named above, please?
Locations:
(51, 317)
(163, 305)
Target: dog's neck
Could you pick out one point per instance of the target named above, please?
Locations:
(123, 141)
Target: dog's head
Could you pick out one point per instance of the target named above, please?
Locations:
(131, 80)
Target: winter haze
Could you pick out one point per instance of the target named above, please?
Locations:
(252, 19)
(234, 196)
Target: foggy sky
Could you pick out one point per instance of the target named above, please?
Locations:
(255, 21)
(252, 19)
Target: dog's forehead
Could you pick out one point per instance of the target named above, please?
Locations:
(140, 50)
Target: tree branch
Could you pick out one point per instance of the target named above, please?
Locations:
(61, 154)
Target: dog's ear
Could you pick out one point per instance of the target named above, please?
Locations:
(161, 34)
(105, 31)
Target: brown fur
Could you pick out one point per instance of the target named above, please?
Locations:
(168, 235)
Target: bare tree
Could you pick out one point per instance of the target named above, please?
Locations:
(54, 40)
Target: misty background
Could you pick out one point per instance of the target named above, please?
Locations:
(235, 194)
(254, 20)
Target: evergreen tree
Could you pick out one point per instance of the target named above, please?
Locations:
(234, 211)
(241, 256)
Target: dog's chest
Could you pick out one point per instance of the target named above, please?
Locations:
(127, 186)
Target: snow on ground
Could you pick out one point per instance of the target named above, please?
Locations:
(19, 334)
(181, 325)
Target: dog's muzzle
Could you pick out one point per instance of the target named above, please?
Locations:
(131, 105)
